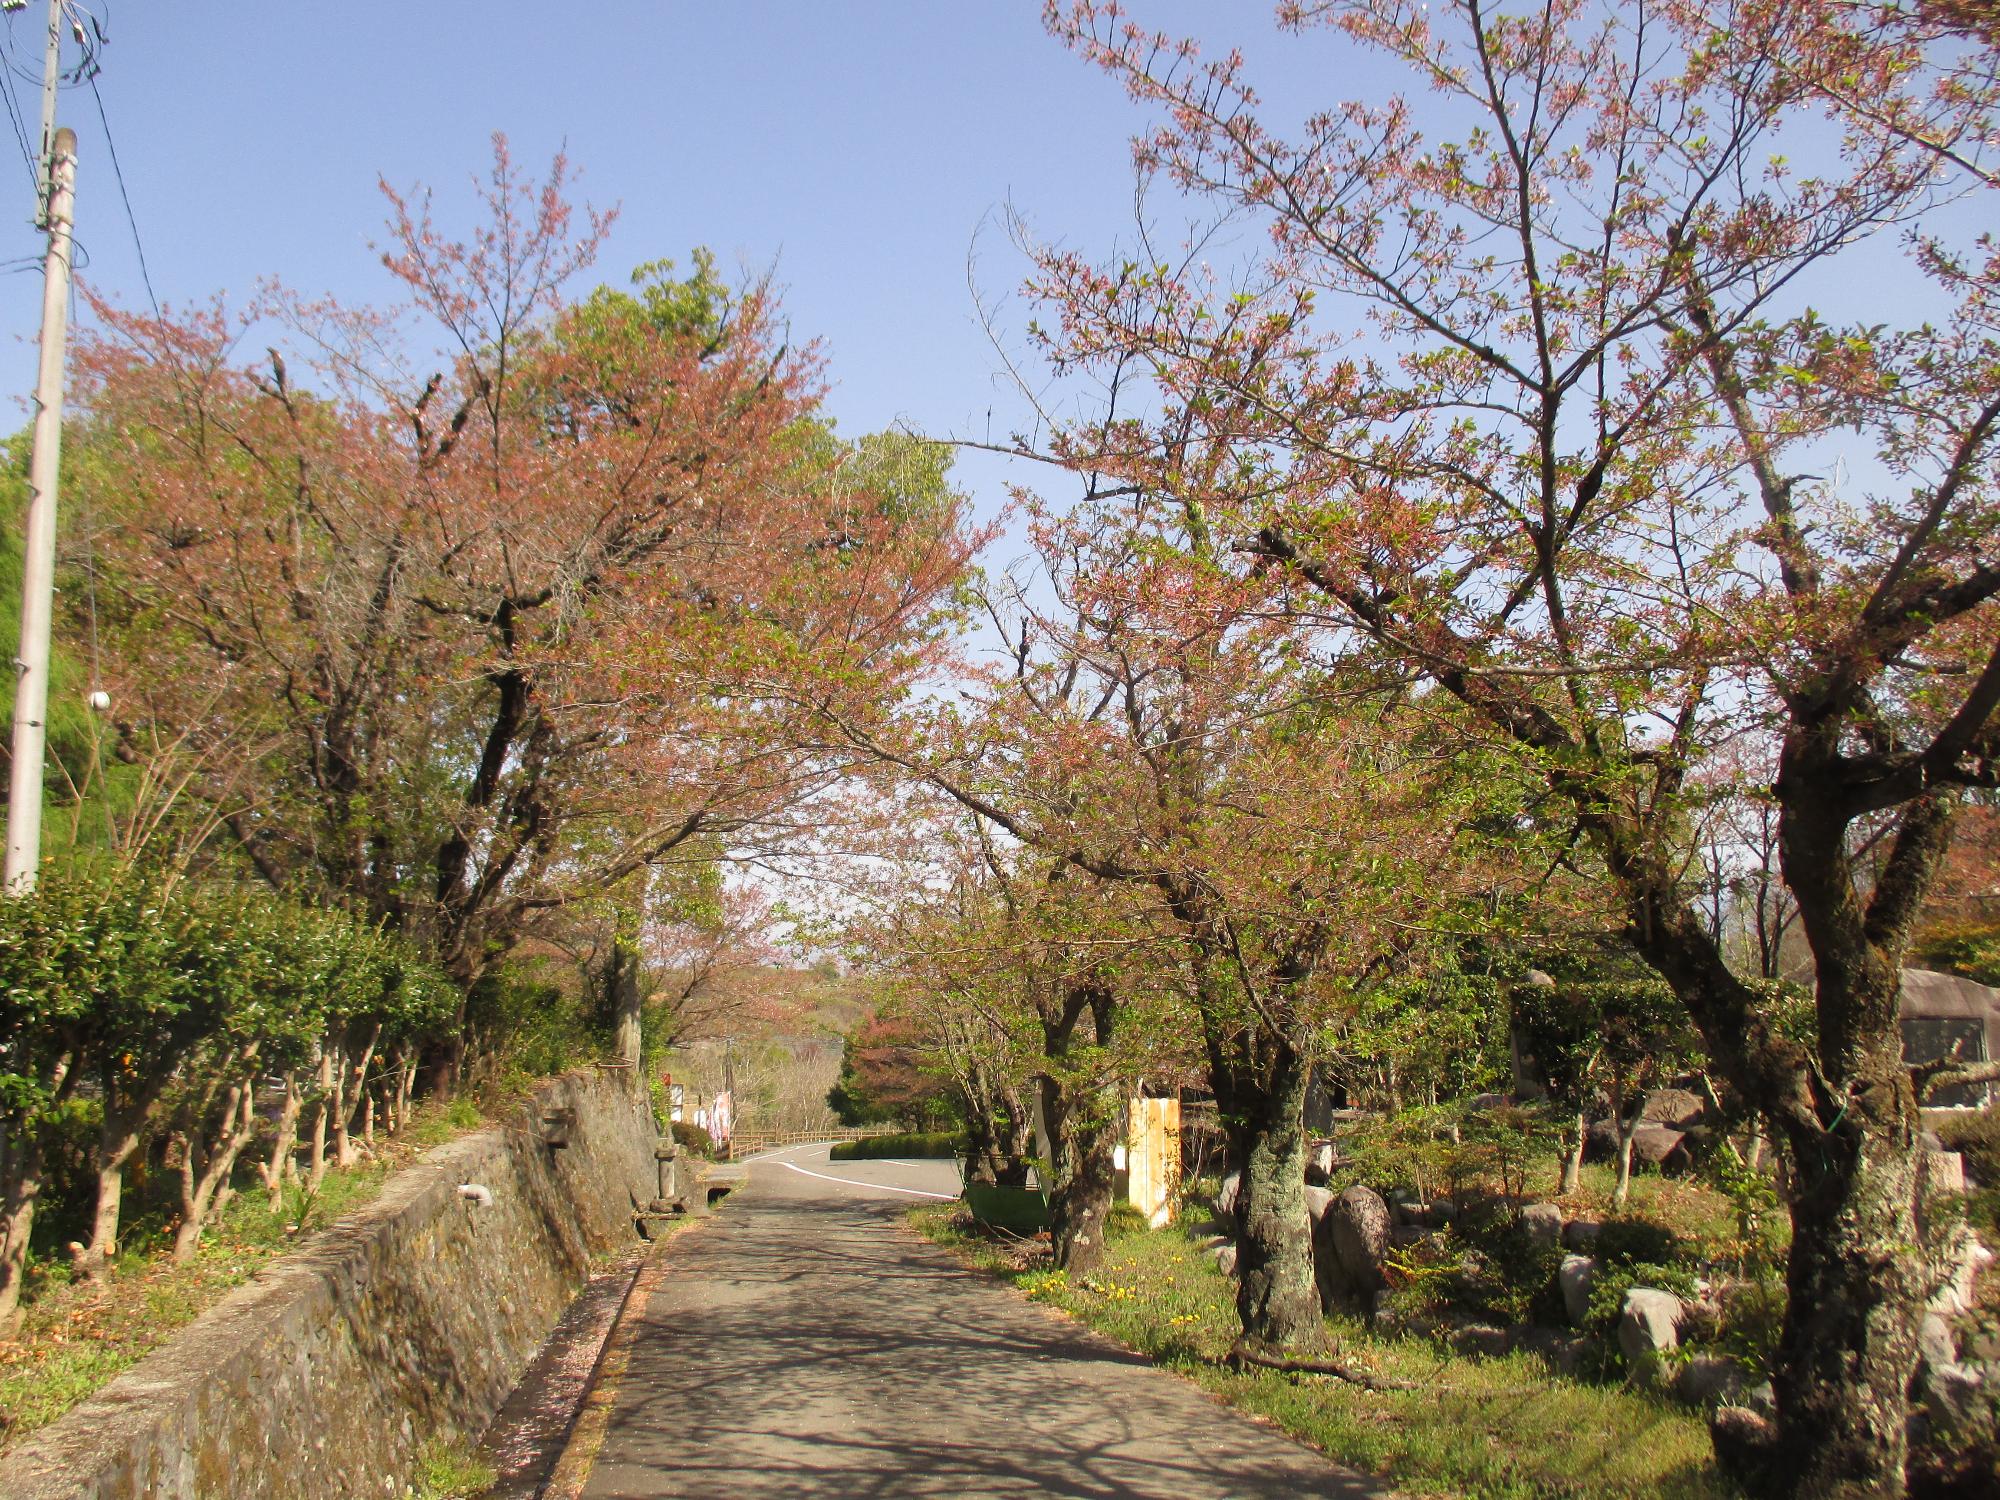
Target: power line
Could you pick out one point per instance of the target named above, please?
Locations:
(20, 132)
(118, 172)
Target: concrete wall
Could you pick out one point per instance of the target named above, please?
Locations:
(410, 1319)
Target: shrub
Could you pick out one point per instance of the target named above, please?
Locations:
(693, 1138)
(930, 1143)
(1607, 1291)
(1507, 1276)
(1636, 1242)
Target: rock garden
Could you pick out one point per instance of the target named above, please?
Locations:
(1447, 1227)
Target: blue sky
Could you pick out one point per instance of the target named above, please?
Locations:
(859, 147)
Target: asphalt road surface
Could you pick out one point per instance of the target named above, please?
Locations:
(806, 1344)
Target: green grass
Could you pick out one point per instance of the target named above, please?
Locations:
(1503, 1429)
(448, 1473)
(935, 1143)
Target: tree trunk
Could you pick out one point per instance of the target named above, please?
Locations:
(1572, 1163)
(406, 1077)
(1016, 1139)
(207, 1161)
(1083, 1133)
(21, 1168)
(1623, 1192)
(1856, 1300)
(627, 1004)
(117, 1138)
(348, 1097)
(323, 1109)
(279, 1168)
(1277, 1296)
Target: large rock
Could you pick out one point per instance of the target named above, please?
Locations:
(1349, 1244)
(1657, 1146)
(1944, 1172)
(1648, 1326)
(1653, 1145)
(1709, 1380)
(1575, 1277)
(1542, 1223)
(1676, 1108)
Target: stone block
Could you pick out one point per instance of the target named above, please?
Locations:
(1542, 1223)
(1575, 1277)
(1648, 1327)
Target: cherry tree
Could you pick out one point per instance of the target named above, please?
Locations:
(500, 613)
(1564, 381)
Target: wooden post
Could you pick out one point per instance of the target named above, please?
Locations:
(1153, 1157)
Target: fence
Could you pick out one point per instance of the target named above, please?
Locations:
(743, 1142)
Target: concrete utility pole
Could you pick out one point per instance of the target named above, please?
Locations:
(31, 682)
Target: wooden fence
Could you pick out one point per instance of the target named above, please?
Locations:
(744, 1142)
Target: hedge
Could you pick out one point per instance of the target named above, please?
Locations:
(933, 1143)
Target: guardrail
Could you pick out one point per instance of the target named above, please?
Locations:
(743, 1142)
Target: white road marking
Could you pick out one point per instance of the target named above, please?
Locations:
(880, 1187)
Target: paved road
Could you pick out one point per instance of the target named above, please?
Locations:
(806, 1344)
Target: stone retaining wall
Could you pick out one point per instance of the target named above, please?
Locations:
(408, 1320)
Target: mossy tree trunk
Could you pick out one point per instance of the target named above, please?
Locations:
(1081, 1115)
(1260, 1080)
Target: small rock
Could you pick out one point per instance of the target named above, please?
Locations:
(1956, 1295)
(1648, 1326)
(1944, 1172)
(1935, 1345)
(1443, 1211)
(1763, 1400)
(1481, 1103)
(1482, 1339)
(1709, 1380)
(1954, 1390)
(1319, 1162)
(1229, 1198)
(1402, 1236)
(1581, 1234)
(1225, 1258)
(1318, 1201)
(1542, 1223)
(1575, 1277)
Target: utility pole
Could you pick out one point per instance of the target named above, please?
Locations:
(729, 1088)
(31, 681)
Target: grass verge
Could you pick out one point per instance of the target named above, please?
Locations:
(1500, 1429)
(76, 1335)
(445, 1472)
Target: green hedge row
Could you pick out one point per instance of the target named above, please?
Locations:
(879, 1147)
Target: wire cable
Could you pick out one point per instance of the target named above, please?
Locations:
(20, 132)
(131, 219)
